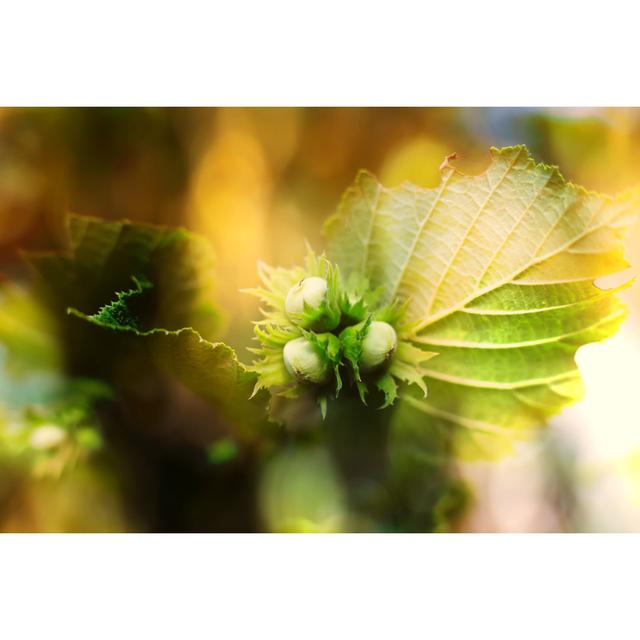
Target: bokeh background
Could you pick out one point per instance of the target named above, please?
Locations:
(258, 183)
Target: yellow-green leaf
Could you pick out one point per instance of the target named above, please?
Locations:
(498, 272)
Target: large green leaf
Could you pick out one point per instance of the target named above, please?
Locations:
(498, 272)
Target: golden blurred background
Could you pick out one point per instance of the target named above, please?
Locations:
(258, 182)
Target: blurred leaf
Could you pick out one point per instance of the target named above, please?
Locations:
(102, 256)
(498, 274)
(210, 370)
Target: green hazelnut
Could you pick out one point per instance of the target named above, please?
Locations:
(305, 362)
(378, 345)
(307, 305)
(310, 292)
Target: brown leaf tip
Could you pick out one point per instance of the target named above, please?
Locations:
(446, 162)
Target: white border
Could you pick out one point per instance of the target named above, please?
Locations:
(325, 587)
(286, 52)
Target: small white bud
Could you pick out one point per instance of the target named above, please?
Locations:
(304, 362)
(47, 436)
(311, 290)
(378, 345)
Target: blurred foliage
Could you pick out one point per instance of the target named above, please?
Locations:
(301, 492)
(255, 183)
(46, 418)
(174, 392)
(49, 429)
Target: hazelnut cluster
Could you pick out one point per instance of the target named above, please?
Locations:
(318, 329)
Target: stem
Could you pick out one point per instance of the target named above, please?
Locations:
(398, 472)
